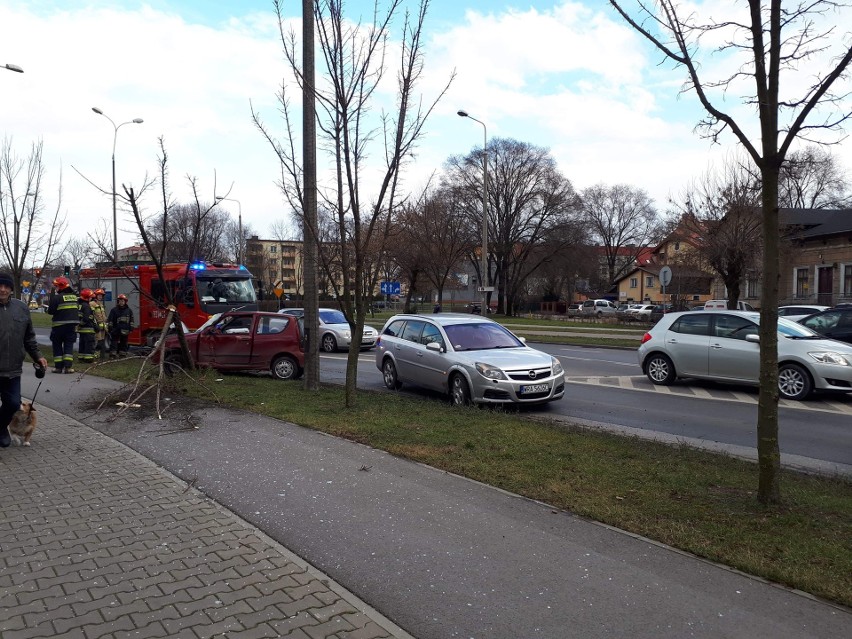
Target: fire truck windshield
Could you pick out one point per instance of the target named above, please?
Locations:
(225, 290)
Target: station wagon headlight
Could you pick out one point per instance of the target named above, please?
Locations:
(557, 367)
(827, 357)
(489, 372)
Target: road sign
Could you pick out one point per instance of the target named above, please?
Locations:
(25, 291)
(390, 288)
(665, 276)
(278, 291)
(485, 289)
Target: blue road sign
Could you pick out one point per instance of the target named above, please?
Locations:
(390, 288)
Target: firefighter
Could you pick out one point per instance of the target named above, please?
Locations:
(119, 325)
(63, 332)
(99, 314)
(86, 328)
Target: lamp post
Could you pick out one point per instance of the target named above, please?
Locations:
(13, 67)
(219, 198)
(114, 140)
(485, 275)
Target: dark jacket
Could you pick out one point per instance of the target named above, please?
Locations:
(87, 318)
(16, 336)
(64, 307)
(120, 320)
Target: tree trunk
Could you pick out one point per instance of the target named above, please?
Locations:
(768, 453)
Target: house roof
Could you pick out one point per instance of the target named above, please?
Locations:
(811, 223)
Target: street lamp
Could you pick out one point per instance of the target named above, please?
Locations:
(114, 140)
(485, 275)
(13, 67)
(219, 198)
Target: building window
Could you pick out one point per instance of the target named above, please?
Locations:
(273, 249)
(634, 282)
(649, 280)
(847, 280)
(801, 279)
(273, 262)
(753, 288)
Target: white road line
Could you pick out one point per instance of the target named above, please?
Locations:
(624, 383)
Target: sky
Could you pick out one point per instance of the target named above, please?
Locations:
(569, 76)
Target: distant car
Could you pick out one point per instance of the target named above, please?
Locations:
(598, 308)
(471, 359)
(723, 305)
(247, 340)
(798, 311)
(573, 310)
(642, 312)
(724, 346)
(335, 333)
(834, 323)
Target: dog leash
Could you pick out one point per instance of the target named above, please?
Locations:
(32, 401)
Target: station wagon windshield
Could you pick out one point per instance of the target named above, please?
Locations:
(484, 336)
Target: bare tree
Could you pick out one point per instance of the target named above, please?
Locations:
(622, 219)
(77, 254)
(27, 235)
(770, 43)
(354, 56)
(814, 179)
(721, 209)
(527, 198)
(193, 231)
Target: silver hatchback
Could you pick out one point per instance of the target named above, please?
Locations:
(724, 346)
(472, 359)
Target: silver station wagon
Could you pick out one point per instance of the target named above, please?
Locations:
(472, 359)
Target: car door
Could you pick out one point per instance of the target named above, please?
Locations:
(405, 351)
(688, 343)
(273, 335)
(230, 341)
(433, 364)
(731, 357)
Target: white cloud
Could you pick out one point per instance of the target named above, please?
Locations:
(568, 76)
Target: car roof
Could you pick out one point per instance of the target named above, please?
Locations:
(444, 319)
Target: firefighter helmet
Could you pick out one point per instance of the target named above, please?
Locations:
(61, 282)
(87, 294)
(100, 291)
(122, 296)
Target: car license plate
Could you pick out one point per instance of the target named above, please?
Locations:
(534, 388)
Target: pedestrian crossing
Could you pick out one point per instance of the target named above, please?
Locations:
(700, 390)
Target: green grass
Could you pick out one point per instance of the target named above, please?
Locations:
(700, 502)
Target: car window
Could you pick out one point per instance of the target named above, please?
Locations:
(431, 334)
(794, 329)
(239, 324)
(733, 327)
(332, 317)
(473, 337)
(271, 325)
(394, 329)
(697, 324)
(411, 331)
(823, 321)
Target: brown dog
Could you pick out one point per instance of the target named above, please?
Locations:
(23, 423)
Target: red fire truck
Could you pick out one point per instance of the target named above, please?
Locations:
(200, 289)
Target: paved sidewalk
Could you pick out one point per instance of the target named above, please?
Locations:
(98, 541)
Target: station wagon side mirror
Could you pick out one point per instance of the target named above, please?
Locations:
(753, 338)
(435, 346)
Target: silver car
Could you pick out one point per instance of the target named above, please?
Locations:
(335, 333)
(471, 358)
(724, 346)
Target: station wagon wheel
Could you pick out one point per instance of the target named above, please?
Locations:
(389, 375)
(329, 344)
(794, 382)
(284, 367)
(459, 391)
(660, 369)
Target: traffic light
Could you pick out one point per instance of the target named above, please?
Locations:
(38, 273)
(67, 270)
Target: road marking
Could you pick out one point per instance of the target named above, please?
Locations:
(604, 361)
(641, 384)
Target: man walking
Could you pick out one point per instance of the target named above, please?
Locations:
(16, 336)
